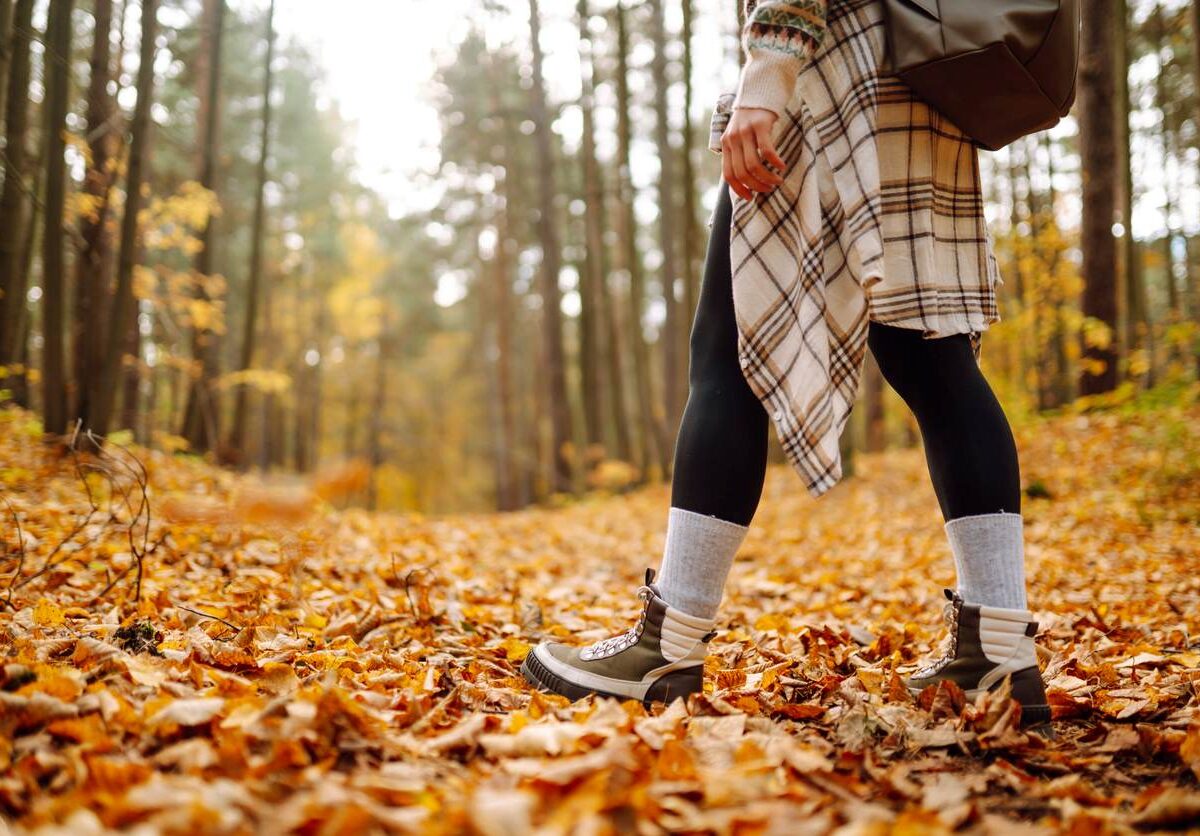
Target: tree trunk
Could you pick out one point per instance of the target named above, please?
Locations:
(378, 405)
(693, 240)
(592, 280)
(875, 435)
(1193, 282)
(674, 387)
(93, 267)
(1125, 337)
(609, 327)
(1098, 160)
(122, 300)
(25, 268)
(1137, 333)
(253, 286)
(6, 48)
(552, 328)
(1161, 99)
(655, 449)
(18, 177)
(131, 373)
(54, 291)
(202, 414)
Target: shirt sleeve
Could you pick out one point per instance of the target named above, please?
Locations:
(779, 37)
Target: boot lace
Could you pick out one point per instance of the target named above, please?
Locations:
(949, 649)
(615, 644)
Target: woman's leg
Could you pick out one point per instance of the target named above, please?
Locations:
(720, 461)
(971, 454)
(721, 451)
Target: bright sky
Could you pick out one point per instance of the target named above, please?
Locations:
(379, 57)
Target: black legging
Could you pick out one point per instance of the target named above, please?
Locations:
(721, 452)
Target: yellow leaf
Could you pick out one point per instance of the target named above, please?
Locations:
(48, 614)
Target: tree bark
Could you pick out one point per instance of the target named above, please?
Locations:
(131, 373)
(693, 241)
(875, 432)
(122, 299)
(674, 387)
(608, 327)
(592, 281)
(378, 406)
(1137, 333)
(1161, 99)
(238, 439)
(93, 267)
(54, 291)
(1098, 160)
(654, 447)
(202, 416)
(6, 48)
(20, 387)
(552, 328)
(18, 179)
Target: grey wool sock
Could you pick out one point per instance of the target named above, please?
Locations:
(989, 554)
(696, 561)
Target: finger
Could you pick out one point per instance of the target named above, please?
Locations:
(766, 147)
(733, 161)
(749, 167)
(727, 166)
(730, 178)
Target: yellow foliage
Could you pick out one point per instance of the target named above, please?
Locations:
(145, 282)
(268, 381)
(204, 315)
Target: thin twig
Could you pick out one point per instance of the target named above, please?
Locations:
(233, 627)
(20, 551)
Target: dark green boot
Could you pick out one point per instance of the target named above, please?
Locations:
(658, 659)
(985, 645)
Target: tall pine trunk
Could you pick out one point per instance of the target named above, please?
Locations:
(655, 449)
(202, 415)
(19, 174)
(674, 386)
(552, 327)
(1161, 100)
(6, 48)
(593, 345)
(693, 239)
(54, 290)
(1133, 312)
(93, 268)
(1097, 136)
(238, 440)
(121, 304)
(608, 341)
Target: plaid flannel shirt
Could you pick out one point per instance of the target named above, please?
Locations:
(880, 217)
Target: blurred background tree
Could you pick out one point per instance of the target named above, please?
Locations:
(193, 256)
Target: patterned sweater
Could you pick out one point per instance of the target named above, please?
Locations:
(779, 37)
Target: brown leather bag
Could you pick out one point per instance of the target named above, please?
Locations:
(998, 69)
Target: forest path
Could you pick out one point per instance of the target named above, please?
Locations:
(336, 671)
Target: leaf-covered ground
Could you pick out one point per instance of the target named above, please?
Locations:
(290, 668)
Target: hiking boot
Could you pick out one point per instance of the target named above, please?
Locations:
(985, 645)
(658, 659)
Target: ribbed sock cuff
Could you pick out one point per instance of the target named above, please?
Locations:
(989, 555)
(696, 561)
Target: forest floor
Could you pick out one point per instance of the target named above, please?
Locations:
(287, 667)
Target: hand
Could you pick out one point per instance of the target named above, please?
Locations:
(745, 146)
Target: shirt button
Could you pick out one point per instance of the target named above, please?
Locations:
(779, 415)
(745, 361)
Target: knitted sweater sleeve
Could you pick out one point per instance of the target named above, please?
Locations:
(779, 37)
